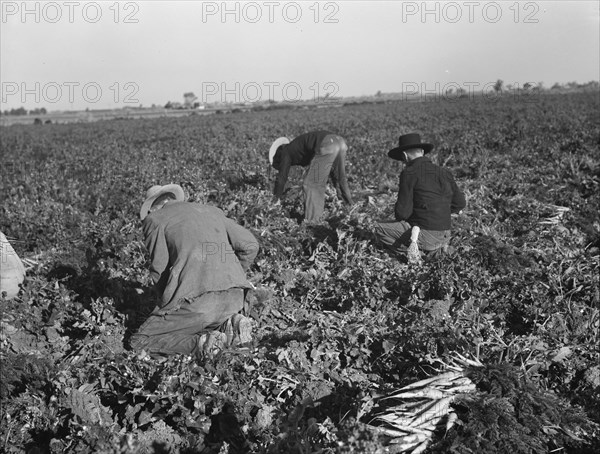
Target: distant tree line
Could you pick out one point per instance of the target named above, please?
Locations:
(23, 111)
(190, 99)
(499, 86)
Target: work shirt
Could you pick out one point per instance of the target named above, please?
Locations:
(195, 249)
(299, 152)
(428, 195)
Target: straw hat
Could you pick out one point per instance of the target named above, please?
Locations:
(12, 271)
(278, 142)
(155, 192)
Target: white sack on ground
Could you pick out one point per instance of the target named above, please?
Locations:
(12, 271)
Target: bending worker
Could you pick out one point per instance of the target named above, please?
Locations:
(324, 153)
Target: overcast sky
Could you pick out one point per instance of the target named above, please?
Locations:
(79, 54)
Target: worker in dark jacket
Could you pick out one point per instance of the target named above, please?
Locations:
(324, 153)
(199, 259)
(427, 196)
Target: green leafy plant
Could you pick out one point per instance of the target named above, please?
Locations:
(340, 321)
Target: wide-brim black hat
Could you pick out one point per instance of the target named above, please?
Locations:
(408, 142)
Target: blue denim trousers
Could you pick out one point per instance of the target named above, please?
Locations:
(330, 157)
(396, 236)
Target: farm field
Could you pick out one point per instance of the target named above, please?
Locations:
(339, 321)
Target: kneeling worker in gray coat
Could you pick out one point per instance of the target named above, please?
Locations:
(199, 259)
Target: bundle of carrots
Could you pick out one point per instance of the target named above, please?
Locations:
(413, 413)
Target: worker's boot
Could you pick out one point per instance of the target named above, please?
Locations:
(229, 331)
(242, 328)
(211, 344)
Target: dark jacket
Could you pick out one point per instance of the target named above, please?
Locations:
(299, 152)
(195, 249)
(428, 195)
